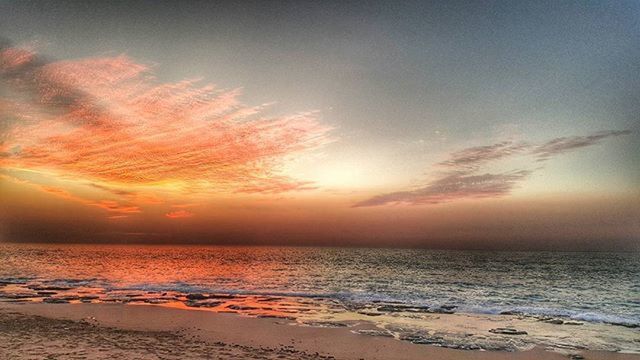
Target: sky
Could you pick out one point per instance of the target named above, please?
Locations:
(462, 125)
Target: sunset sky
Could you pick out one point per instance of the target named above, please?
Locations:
(495, 125)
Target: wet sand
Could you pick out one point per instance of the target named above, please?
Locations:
(105, 331)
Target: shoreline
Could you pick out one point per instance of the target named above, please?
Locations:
(444, 326)
(266, 337)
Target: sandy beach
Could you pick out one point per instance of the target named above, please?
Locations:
(106, 331)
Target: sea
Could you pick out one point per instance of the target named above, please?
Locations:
(303, 282)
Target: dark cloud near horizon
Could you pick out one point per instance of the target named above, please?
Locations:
(565, 144)
(461, 182)
(454, 187)
(472, 157)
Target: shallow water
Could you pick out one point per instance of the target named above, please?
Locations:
(303, 282)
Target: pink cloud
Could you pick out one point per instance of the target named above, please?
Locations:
(109, 120)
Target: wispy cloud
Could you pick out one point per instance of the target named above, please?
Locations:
(461, 178)
(109, 122)
(453, 187)
(109, 119)
(116, 208)
(471, 158)
(565, 144)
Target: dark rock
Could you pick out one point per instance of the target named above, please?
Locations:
(205, 303)
(426, 341)
(46, 293)
(51, 300)
(554, 321)
(369, 313)
(417, 339)
(223, 296)
(326, 324)
(17, 295)
(509, 312)
(241, 307)
(399, 308)
(155, 301)
(133, 295)
(196, 296)
(627, 325)
(382, 333)
(56, 288)
(442, 311)
(508, 331)
(268, 316)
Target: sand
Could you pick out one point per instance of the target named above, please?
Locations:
(117, 331)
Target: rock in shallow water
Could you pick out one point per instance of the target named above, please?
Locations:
(382, 333)
(17, 295)
(399, 308)
(241, 307)
(269, 316)
(46, 293)
(49, 287)
(203, 303)
(367, 313)
(508, 331)
(325, 324)
(627, 325)
(196, 296)
(417, 339)
(51, 300)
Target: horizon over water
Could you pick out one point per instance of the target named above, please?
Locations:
(497, 248)
(325, 283)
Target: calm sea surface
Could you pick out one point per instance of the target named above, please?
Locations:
(598, 287)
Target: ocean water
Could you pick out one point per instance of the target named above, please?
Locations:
(592, 287)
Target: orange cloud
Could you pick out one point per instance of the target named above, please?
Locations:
(109, 120)
(111, 206)
(178, 214)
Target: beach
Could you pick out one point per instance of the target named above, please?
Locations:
(284, 302)
(105, 331)
(319, 180)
